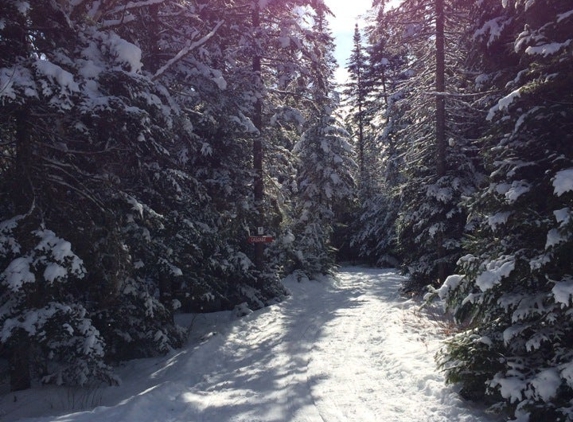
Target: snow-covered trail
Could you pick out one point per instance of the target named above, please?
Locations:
(347, 350)
(375, 360)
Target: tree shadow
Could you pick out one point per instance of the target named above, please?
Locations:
(254, 369)
(251, 369)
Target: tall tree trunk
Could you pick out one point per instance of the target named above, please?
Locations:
(384, 90)
(257, 144)
(22, 189)
(19, 362)
(152, 64)
(440, 121)
(361, 157)
(358, 63)
(19, 357)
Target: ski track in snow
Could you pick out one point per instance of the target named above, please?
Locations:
(349, 350)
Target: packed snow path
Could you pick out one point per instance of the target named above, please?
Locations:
(349, 350)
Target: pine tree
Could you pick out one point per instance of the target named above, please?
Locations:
(515, 285)
(128, 139)
(100, 130)
(426, 107)
(39, 319)
(355, 96)
(375, 229)
(326, 166)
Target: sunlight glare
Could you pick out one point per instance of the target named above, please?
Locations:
(346, 14)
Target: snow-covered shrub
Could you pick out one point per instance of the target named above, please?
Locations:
(136, 324)
(37, 311)
(375, 230)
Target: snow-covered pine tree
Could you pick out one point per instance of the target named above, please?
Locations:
(374, 232)
(326, 165)
(40, 321)
(355, 95)
(270, 104)
(431, 219)
(43, 189)
(100, 130)
(515, 286)
(141, 138)
(209, 82)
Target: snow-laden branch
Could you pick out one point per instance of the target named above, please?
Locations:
(135, 5)
(187, 50)
(453, 94)
(9, 82)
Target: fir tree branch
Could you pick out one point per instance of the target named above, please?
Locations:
(187, 50)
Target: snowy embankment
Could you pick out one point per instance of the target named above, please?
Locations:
(346, 350)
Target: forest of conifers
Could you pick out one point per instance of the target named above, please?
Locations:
(143, 142)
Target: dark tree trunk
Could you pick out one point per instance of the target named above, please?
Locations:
(21, 184)
(153, 63)
(440, 122)
(258, 145)
(19, 362)
(22, 193)
(361, 156)
(19, 357)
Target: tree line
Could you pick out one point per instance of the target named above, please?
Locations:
(141, 144)
(461, 112)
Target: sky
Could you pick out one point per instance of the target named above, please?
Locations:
(347, 13)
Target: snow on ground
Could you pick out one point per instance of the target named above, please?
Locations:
(350, 349)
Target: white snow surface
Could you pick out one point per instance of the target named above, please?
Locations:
(503, 104)
(494, 272)
(498, 219)
(563, 181)
(547, 49)
(346, 349)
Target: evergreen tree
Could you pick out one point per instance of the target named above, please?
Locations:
(128, 139)
(515, 285)
(430, 219)
(100, 131)
(375, 230)
(40, 319)
(326, 166)
(355, 95)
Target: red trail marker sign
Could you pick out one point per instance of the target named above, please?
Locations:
(260, 239)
